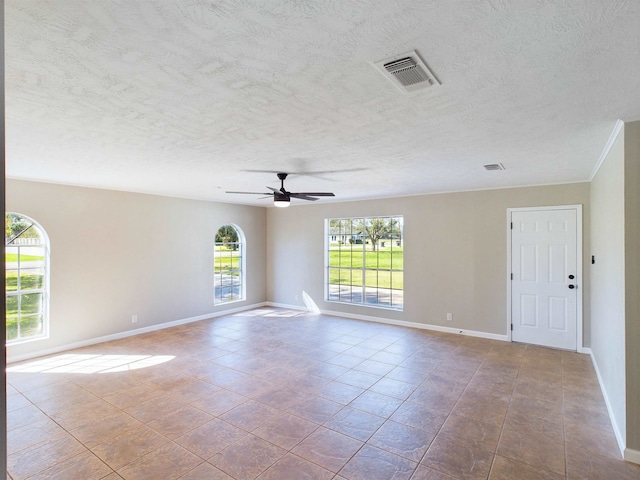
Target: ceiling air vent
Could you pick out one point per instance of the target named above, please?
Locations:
(407, 72)
(494, 166)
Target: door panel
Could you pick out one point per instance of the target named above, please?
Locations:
(544, 255)
(529, 310)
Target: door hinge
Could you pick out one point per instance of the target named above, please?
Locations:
(512, 276)
(512, 327)
(511, 225)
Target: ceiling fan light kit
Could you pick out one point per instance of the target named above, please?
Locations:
(281, 201)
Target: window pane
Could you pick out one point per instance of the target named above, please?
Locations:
(371, 278)
(32, 279)
(31, 326)
(334, 257)
(226, 293)
(31, 303)
(11, 280)
(345, 257)
(397, 280)
(12, 328)
(334, 276)
(31, 257)
(355, 253)
(397, 299)
(397, 262)
(345, 293)
(357, 278)
(384, 259)
(344, 276)
(384, 297)
(12, 304)
(371, 258)
(371, 296)
(334, 292)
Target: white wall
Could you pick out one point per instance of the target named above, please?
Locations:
(455, 253)
(115, 254)
(607, 280)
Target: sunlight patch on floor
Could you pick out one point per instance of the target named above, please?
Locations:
(90, 363)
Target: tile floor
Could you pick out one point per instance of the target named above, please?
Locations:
(276, 394)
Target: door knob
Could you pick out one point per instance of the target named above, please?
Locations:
(572, 287)
(571, 277)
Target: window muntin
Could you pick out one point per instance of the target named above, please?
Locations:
(228, 265)
(365, 261)
(27, 279)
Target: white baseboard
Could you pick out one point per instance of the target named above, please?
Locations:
(128, 333)
(632, 456)
(402, 323)
(616, 430)
(422, 326)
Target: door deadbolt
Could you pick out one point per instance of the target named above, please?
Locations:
(571, 277)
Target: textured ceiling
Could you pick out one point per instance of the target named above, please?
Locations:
(190, 98)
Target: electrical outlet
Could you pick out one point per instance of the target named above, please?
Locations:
(449, 317)
(134, 318)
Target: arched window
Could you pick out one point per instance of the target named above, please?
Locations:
(228, 265)
(27, 279)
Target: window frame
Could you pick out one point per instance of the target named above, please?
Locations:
(219, 300)
(44, 290)
(364, 293)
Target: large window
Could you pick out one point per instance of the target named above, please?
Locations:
(365, 261)
(228, 265)
(27, 275)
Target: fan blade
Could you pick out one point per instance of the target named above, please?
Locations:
(302, 197)
(315, 194)
(274, 189)
(253, 193)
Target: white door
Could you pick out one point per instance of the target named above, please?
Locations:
(545, 283)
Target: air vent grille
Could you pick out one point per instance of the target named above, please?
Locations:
(407, 72)
(494, 166)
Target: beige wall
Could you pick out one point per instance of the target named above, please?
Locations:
(115, 254)
(455, 253)
(607, 279)
(632, 282)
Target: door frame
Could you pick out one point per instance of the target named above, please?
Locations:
(579, 276)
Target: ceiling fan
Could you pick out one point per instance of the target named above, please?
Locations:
(282, 198)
